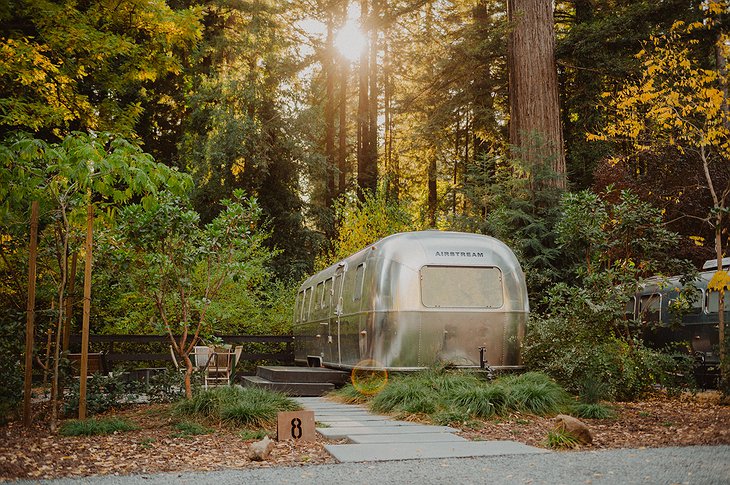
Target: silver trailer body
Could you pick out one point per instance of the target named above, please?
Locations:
(412, 300)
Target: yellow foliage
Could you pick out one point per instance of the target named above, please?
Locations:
(720, 281)
(698, 240)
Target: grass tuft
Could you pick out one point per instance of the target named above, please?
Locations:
(561, 440)
(592, 411)
(248, 406)
(535, 393)
(483, 401)
(96, 426)
(256, 434)
(189, 428)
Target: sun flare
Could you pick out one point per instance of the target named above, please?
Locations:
(350, 41)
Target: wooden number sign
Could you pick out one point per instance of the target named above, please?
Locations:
(295, 425)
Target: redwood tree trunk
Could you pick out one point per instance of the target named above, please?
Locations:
(534, 129)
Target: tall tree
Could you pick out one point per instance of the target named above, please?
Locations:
(535, 123)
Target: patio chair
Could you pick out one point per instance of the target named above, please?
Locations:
(220, 365)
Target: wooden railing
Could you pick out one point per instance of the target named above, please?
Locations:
(126, 348)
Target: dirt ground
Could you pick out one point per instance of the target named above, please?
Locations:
(35, 453)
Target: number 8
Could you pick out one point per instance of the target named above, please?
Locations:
(296, 428)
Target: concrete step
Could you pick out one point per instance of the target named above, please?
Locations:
(290, 388)
(282, 373)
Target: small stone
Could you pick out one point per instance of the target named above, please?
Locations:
(260, 450)
(575, 427)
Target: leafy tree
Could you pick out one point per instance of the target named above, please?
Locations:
(364, 222)
(681, 104)
(610, 244)
(239, 134)
(182, 267)
(596, 43)
(84, 169)
(514, 201)
(69, 65)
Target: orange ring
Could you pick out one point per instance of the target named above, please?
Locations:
(365, 374)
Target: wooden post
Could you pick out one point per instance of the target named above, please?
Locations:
(30, 313)
(69, 304)
(87, 312)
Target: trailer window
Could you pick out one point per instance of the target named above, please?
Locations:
(327, 296)
(713, 301)
(318, 296)
(298, 307)
(650, 307)
(359, 278)
(305, 305)
(460, 287)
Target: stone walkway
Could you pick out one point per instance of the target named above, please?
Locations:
(379, 438)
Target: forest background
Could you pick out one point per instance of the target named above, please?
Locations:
(308, 129)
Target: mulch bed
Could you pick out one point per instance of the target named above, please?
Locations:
(36, 453)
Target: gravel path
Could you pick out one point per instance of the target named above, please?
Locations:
(691, 465)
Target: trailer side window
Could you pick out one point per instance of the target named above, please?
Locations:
(461, 287)
(713, 302)
(650, 307)
(298, 307)
(359, 278)
(305, 305)
(318, 296)
(327, 295)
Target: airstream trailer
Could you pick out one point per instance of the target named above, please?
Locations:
(412, 300)
(698, 329)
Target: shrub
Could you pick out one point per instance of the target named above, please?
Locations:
(94, 426)
(103, 393)
(248, 406)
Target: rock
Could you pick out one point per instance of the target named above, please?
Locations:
(260, 450)
(575, 427)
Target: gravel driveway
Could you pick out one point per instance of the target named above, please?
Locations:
(691, 465)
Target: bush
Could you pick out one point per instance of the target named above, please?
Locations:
(246, 406)
(103, 393)
(93, 426)
(565, 350)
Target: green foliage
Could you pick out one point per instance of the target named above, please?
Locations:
(561, 439)
(592, 411)
(239, 406)
(93, 65)
(573, 350)
(248, 435)
(103, 393)
(534, 393)
(362, 222)
(96, 426)
(189, 428)
(11, 373)
(165, 387)
(447, 396)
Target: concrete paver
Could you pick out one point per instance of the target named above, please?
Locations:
(411, 451)
(380, 438)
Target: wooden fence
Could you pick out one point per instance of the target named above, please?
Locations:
(121, 349)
